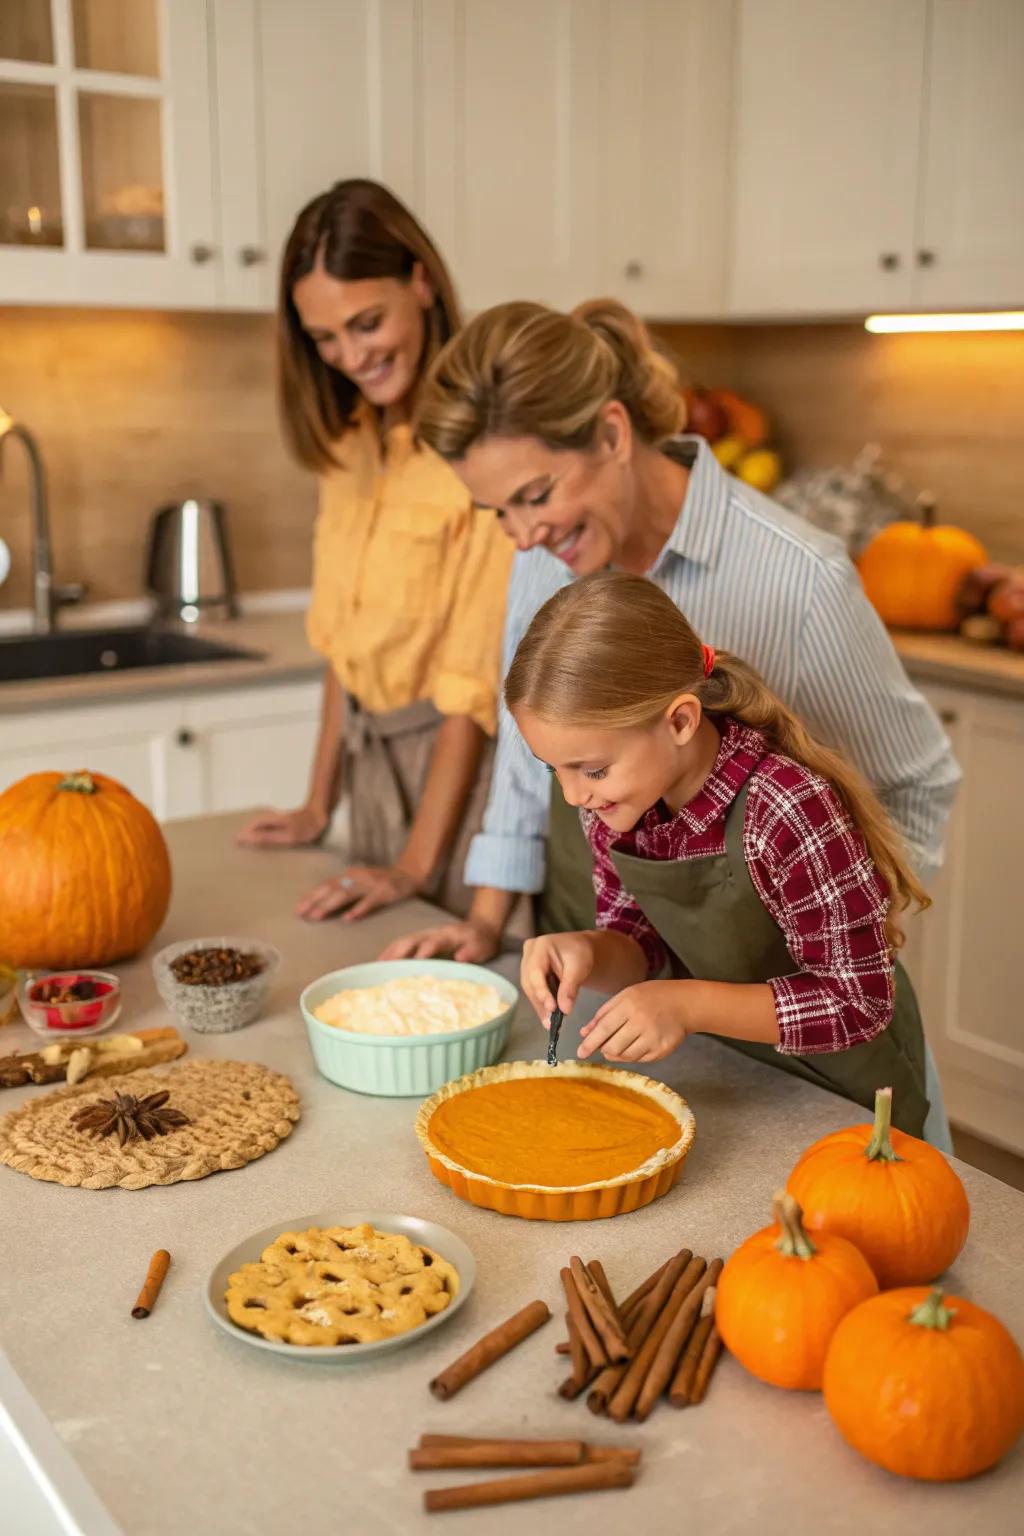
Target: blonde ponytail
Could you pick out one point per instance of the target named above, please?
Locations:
(612, 650)
(523, 370)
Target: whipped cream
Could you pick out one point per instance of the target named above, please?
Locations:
(413, 1005)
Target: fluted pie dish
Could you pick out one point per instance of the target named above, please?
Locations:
(570, 1143)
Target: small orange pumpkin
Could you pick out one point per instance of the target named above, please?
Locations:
(894, 1197)
(85, 877)
(912, 571)
(925, 1386)
(781, 1297)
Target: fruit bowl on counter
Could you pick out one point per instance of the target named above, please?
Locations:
(409, 1064)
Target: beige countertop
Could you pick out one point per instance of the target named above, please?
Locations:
(282, 654)
(286, 654)
(179, 1428)
(961, 664)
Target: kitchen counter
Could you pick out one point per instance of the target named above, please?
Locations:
(960, 663)
(284, 654)
(180, 1428)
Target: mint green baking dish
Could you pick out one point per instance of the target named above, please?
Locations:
(402, 1066)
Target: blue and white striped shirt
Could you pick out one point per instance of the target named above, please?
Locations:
(757, 580)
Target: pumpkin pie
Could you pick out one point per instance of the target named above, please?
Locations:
(571, 1143)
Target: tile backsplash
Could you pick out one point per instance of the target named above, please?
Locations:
(135, 409)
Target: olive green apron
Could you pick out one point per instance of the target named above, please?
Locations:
(710, 916)
(566, 904)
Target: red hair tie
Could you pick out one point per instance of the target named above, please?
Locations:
(708, 653)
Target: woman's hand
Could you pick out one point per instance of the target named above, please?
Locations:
(644, 1023)
(359, 890)
(569, 957)
(470, 941)
(284, 829)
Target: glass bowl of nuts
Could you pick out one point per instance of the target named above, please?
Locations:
(66, 1003)
(215, 985)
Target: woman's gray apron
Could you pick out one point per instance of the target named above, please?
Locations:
(386, 762)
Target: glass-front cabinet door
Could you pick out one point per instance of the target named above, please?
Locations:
(106, 177)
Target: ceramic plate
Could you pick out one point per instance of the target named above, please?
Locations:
(426, 1233)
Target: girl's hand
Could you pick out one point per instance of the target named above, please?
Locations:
(361, 889)
(643, 1023)
(472, 942)
(567, 956)
(284, 829)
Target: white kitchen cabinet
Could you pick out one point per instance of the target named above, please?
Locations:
(970, 236)
(965, 953)
(663, 232)
(309, 92)
(187, 754)
(828, 106)
(877, 156)
(573, 148)
(106, 177)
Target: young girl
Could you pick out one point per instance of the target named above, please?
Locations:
(733, 855)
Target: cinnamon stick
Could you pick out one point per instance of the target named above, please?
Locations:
(623, 1400)
(676, 1335)
(578, 1315)
(563, 1347)
(155, 1275)
(708, 1361)
(588, 1478)
(578, 1356)
(642, 1289)
(682, 1382)
(606, 1324)
(648, 1308)
(438, 1451)
(596, 1268)
(488, 1349)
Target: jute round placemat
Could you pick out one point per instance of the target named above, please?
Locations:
(237, 1111)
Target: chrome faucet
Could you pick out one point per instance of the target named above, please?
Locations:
(47, 598)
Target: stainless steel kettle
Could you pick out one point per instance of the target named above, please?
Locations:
(188, 568)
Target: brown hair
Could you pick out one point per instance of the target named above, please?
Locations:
(523, 370)
(356, 230)
(613, 650)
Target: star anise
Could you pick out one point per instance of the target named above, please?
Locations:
(129, 1118)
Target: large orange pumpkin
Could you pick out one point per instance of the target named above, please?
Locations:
(925, 1386)
(912, 571)
(894, 1197)
(84, 873)
(781, 1297)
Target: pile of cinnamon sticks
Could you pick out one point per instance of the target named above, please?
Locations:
(565, 1466)
(661, 1339)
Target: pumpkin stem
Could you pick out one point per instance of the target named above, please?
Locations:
(80, 783)
(879, 1148)
(793, 1240)
(933, 1312)
(926, 507)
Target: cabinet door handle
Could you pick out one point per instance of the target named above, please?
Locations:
(948, 716)
(889, 261)
(201, 254)
(251, 256)
(634, 270)
(185, 737)
(926, 258)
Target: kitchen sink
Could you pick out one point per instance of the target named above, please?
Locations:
(74, 653)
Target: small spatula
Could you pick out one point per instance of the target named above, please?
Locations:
(554, 1025)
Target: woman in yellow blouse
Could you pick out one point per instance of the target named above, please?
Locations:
(408, 578)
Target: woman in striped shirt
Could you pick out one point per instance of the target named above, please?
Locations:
(569, 426)
(730, 850)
